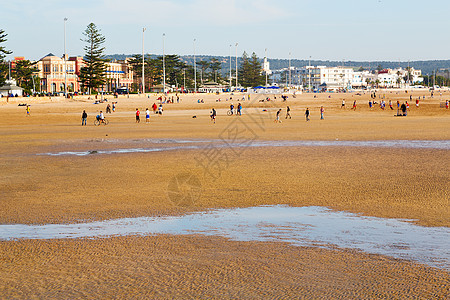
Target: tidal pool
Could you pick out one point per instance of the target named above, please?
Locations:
(299, 226)
(170, 145)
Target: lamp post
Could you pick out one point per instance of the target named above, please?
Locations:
(230, 67)
(265, 64)
(195, 71)
(143, 66)
(289, 70)
(184, 79)
(65, 60)
(164, 64)
(309, 75)
(236, 66)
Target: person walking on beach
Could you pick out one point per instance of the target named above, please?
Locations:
(404, 111)
(28, 110)
(322, 110)
(370, 104)
(390, 105)
(239, 109)
(343, 103)
(288, 112)
(354, 105)
(84, 118)
(160, 109)
(114, 106)
(138, 120)
(108, 108)
(307, 114)
(147, 115)
(417, 103)
(277, 119)
(154, 107)
(213, 115)
(232, 108)
(446, 104)
(407, 105)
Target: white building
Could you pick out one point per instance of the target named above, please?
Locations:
(327, 78)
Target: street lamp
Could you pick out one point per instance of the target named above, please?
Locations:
(65, 60)
(184, 79)
(195, 71)
(309, 76)
(164, 63)
(289, 70)
(230, 67)
(143, 66)
(236, 66)
(265, 64)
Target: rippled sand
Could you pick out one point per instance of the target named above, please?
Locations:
(204, 267)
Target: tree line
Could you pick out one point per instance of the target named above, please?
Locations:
(178, 73)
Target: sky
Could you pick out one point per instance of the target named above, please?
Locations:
(358, 30)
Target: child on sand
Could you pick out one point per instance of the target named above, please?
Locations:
(307, 114)
(354, 105)
(138, 120)
(322, 110)
(28, 110)
(147, 115)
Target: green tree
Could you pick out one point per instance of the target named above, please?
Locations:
(3, 53)
(152, 71)
(23, 74)
(204, 65)
(215, 66)
(250, 71)
(174, 69)
(93, 74)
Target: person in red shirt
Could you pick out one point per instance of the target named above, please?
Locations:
(138, 120)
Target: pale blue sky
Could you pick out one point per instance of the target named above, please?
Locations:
(328, 30)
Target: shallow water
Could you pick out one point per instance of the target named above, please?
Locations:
(300, 226)
(171, 145)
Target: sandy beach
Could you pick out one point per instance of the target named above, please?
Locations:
(38, 187)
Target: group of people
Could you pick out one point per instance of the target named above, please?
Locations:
(307, 114)
(238, 109)
(156, 109)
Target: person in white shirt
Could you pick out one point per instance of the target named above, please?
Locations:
(147, 116)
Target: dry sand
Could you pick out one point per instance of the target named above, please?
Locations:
(382, 182)
(206, 267)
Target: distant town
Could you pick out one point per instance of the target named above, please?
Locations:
(54, 73)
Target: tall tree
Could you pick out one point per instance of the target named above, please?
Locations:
(250, 71)
(93, 74)
(203, 66)
(174, 69)
(3, 53)
(23, 74)
(151, 67)
(215, 66)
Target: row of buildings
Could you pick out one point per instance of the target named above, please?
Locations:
(54, 72)
(323, 78)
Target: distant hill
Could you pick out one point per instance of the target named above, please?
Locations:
(427, 66)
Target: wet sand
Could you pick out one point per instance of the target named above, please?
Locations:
(206, 267)
(381, 182)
